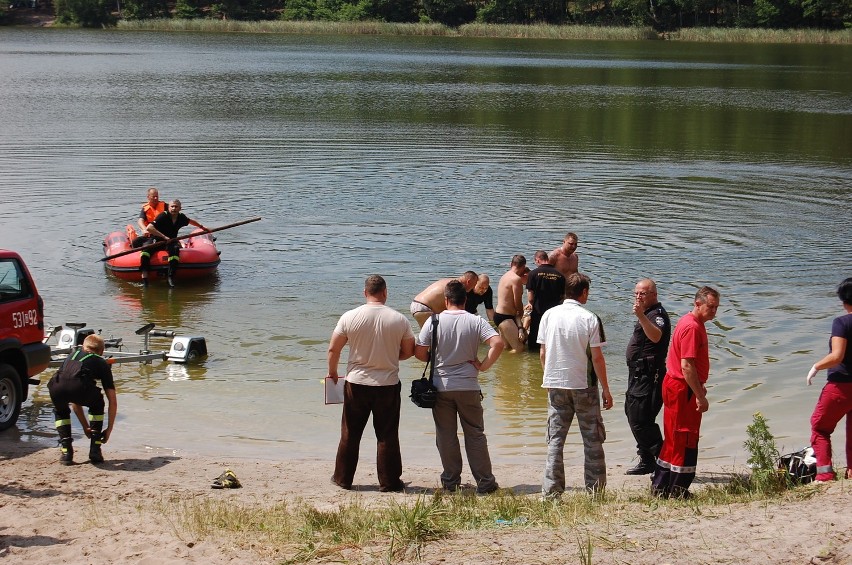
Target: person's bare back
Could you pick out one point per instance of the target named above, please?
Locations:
(433, 295)
(431, 299)
(510, 304)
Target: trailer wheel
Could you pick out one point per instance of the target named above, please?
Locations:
(10, 396)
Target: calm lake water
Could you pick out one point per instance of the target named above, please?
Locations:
(418, 158)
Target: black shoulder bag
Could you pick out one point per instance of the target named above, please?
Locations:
(423, 391)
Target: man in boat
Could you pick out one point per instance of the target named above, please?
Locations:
(431, 300)
(150, 210)
(379, 338)
(75, 385)
(510, 304)
(165, 227)
(481, 294)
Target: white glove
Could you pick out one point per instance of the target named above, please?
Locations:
(811, 374)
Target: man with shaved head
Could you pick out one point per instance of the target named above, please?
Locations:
(646, 369)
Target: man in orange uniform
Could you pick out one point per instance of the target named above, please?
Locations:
(685, 397)
(150, 210)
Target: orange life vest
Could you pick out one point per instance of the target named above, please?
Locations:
(151, 213)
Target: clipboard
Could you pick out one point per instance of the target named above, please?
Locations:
(334, 392)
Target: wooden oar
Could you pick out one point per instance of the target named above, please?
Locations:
(163, 243)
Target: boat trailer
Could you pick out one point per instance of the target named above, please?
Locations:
(183, 349)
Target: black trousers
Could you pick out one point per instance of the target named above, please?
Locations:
(642, 406)
(532, 337)
(359, 402)
(63, 392)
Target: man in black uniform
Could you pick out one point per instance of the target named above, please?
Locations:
(481, 294)
(166, 227)
(75, 382)
(545, 289)
(646, 366)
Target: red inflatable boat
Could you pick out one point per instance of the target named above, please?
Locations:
(199, 258)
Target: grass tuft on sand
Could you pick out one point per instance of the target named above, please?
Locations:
(399, 530)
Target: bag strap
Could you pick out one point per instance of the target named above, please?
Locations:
(434, 350)
(430, 363)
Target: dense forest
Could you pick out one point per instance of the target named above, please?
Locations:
(662, 15)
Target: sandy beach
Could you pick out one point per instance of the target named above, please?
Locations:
(119, 511)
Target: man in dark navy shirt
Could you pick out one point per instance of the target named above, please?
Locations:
(646, 366)
(166, 227)
(545, 289)
(481, 294)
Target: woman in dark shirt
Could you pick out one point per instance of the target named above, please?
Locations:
(835, 400)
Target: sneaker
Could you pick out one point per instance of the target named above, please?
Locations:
(228, 479)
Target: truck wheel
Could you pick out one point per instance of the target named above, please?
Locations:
(10, 396)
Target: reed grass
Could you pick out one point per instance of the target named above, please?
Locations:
(283, 27)
(506, 31)
(544, 31)
(538, 31)
(749, 35)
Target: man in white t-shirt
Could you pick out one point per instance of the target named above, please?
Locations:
(457, 366)
(571, 338)
(379, 337)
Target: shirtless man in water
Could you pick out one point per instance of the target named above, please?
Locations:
(510, 305)
(431, 300)
(564, 257)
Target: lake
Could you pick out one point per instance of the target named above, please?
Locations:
(419, 158)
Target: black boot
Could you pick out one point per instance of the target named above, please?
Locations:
(66, 451)
(173, 263)
(646, 466)
(63, 428)
(95, 455)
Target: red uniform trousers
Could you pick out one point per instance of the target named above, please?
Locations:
(835, 401)
(678, 457)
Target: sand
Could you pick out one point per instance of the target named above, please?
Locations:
(107, 513)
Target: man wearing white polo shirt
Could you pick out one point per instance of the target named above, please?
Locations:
(571, 338)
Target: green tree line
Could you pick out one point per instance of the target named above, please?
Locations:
(663, 15)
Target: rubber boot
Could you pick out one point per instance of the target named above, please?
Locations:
(144, 266)
(66, 451)
(173, 263)
(63, 428)
(95, 455)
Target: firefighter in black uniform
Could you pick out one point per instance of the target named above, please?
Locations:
(75, 383)
(646, 365)
(165, 227)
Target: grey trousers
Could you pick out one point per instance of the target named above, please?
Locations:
(563, 404)
(464, 406)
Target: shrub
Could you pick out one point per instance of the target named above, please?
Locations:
(763, 456)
